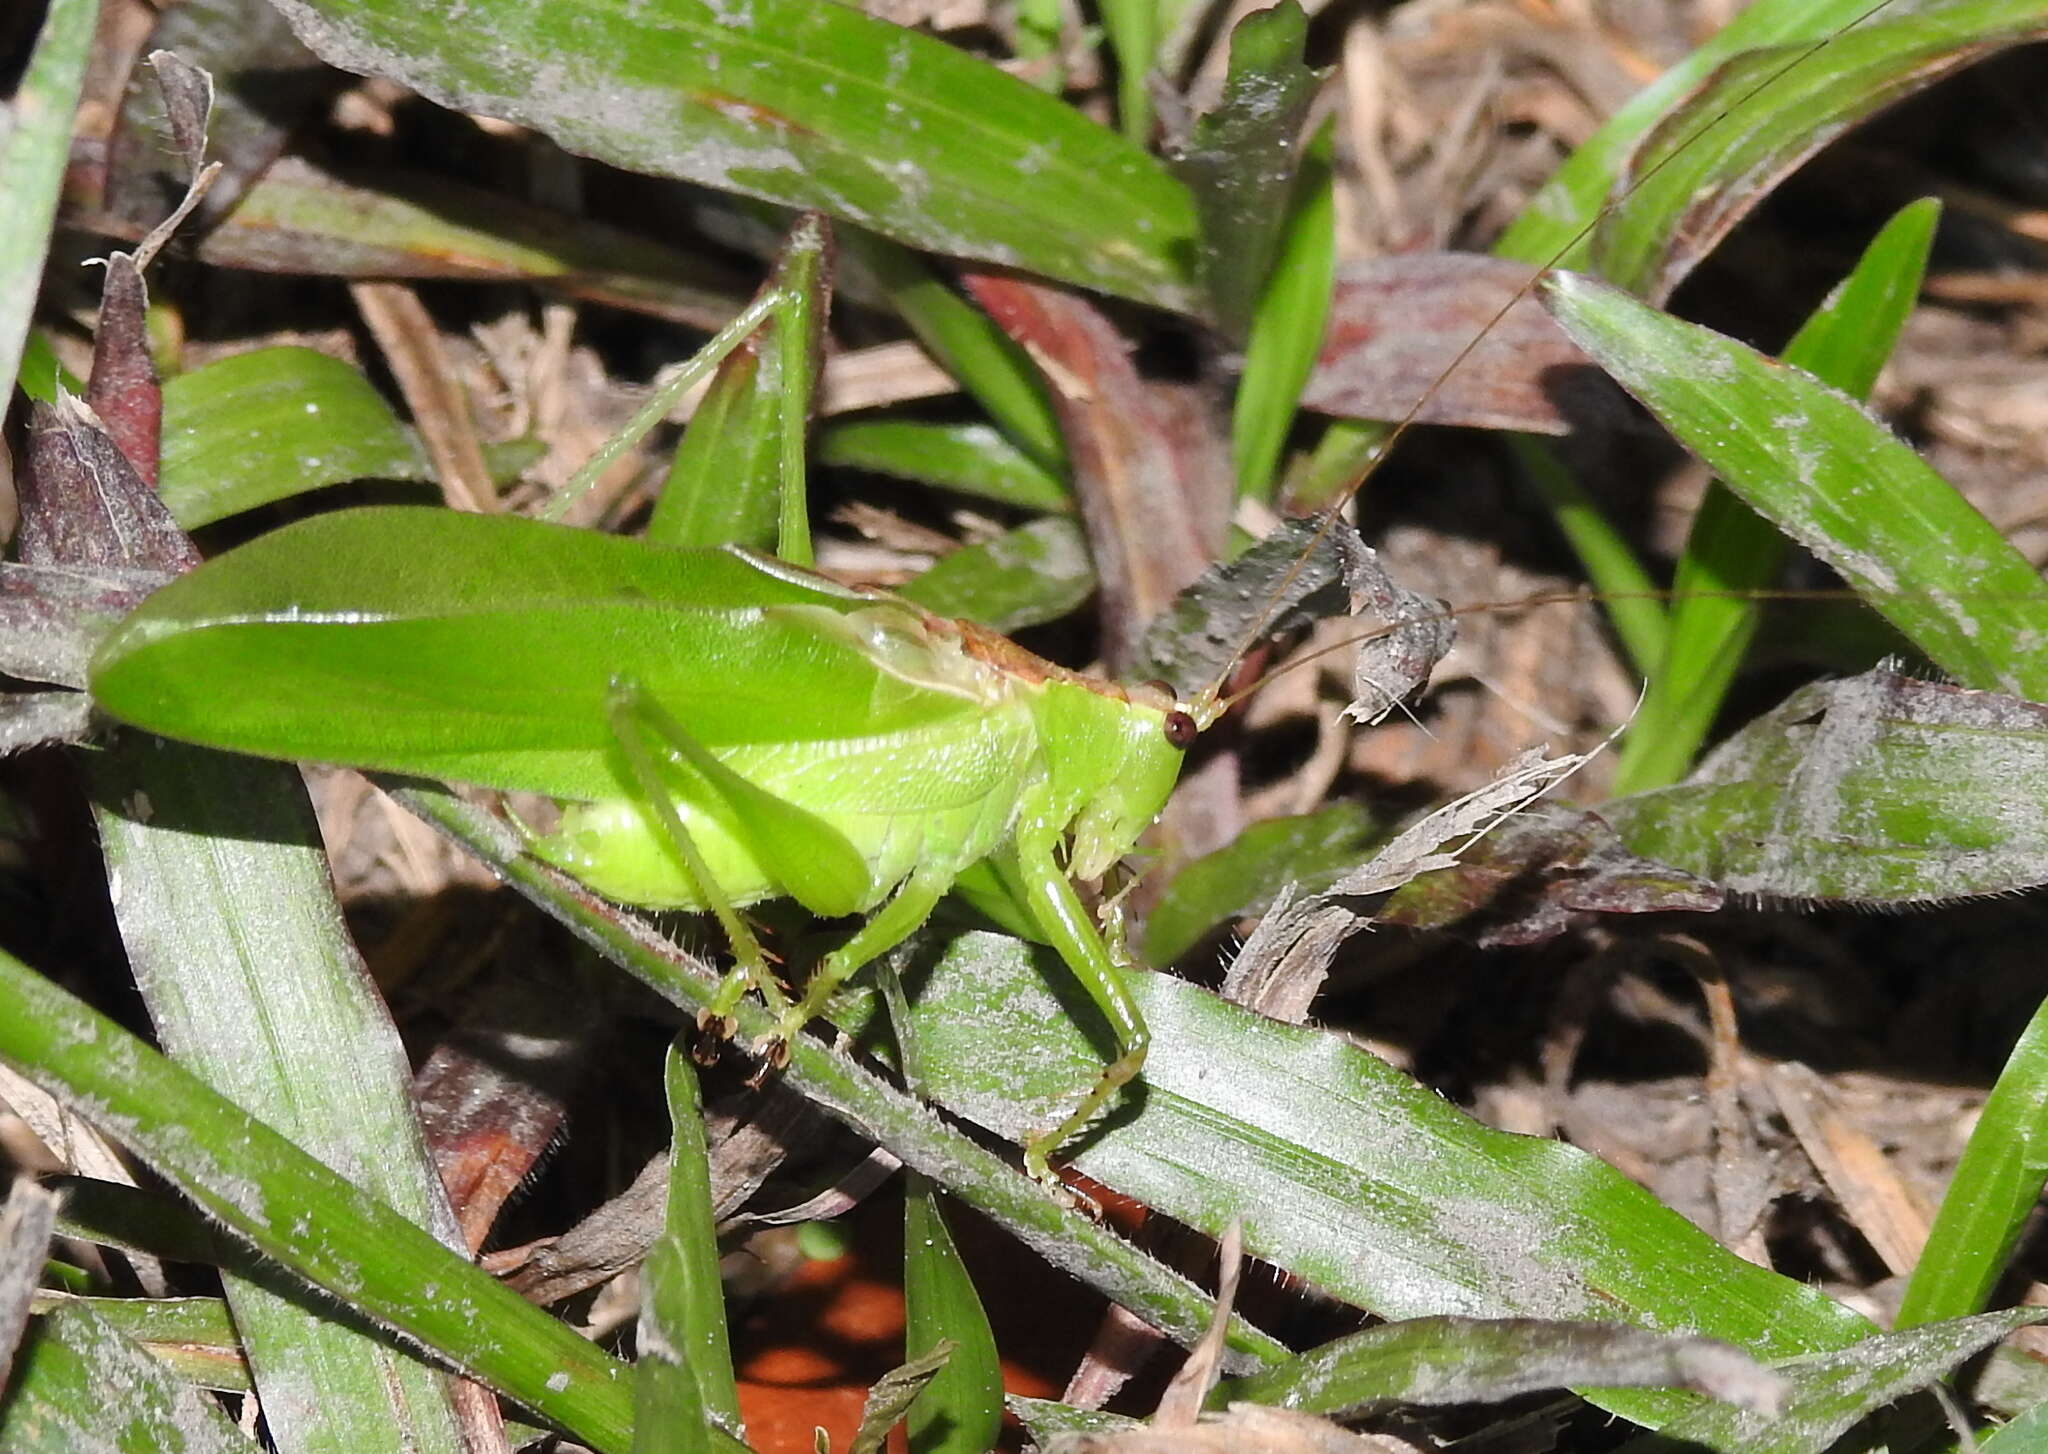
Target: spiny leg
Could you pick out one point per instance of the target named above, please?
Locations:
(633, 716)
(891, 924)
(1065, 921)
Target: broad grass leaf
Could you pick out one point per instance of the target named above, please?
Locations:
(1832, 477)
(1023, 577)
(1241, 157)
(1707, 163)
(1731, 550)
(809, 105)
(35, 141)
(1876, 790)
(266, 425)
(1833, 1392)
(58, 1396)
(970, 459)
(1345, 1172)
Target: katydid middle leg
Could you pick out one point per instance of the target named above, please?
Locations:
(1067, 924)
(888, 927)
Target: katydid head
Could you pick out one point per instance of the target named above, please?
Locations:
(1112, 757)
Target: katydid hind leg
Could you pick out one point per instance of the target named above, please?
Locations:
(628, 713)
(1068, 926)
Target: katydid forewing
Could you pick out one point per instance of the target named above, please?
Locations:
(828, 744)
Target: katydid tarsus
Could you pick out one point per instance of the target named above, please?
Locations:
(723, 728)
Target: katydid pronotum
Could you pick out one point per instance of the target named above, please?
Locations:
(724, 728)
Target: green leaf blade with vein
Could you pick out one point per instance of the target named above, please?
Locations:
(1241, 157)
(1731, 550)
(275, 422)
(1996, 1185)
(961, 1410)
(268, 1192)
(1877, 789)
(1023, 577)
(973, 459)
(1835, 1391)
(1833, 478)
(1346, 1172)
(35, 140)
(58, 1396)
(809, 105)
(683, 1380)
(284, 1021)
(1708, 162)
(1287, 328)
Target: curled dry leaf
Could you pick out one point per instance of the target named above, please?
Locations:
(1398, 323)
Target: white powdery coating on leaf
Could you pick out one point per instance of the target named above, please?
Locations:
(1509, 1244)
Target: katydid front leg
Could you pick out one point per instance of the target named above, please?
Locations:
(1068, 926)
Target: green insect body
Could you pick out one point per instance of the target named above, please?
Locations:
(835, 746)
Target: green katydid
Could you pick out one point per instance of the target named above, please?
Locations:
(832, 745)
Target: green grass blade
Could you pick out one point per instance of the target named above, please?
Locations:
(961, 1410)
(970, 459)
(228, 916)
(42, 373)
(724, 481)
(1877, 789)
(1711, 160)
(194, 1337)
(738, 475)
(804, 274)
(269, 1193)
(35, 142)
(1024, 577)
(60, 1397)
(1549, 232)
(1346, 1172)
(1287, 328)
(1835, 1391)
(1342, 456)
(668, 1406)
(1731, 550)
(1240, 158)
(683, 1382)
(1581, 187)
(272, 423)
(1994, 1190)
(1639, 617)
(1472, 1360)
(964, 341)
(809, 105)
(1832, 477)
(1132, 29)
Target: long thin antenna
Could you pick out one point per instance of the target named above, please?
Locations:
(1401, 427)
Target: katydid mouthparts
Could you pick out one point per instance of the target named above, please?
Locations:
(722, 728)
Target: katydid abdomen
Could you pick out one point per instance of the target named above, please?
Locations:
(722, 728)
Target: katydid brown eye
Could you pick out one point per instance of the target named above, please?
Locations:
(1181, 729)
